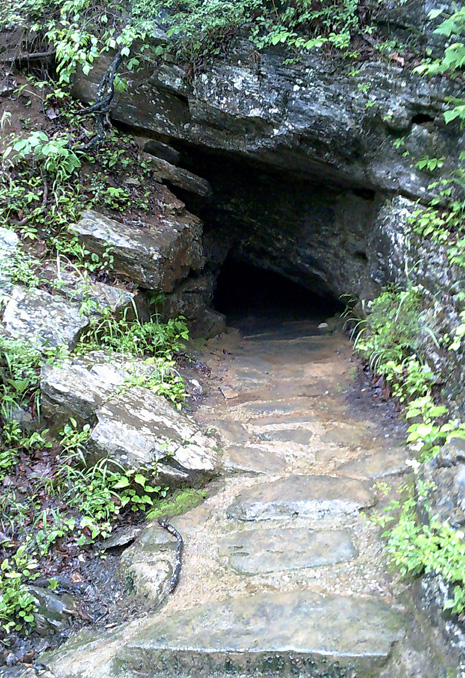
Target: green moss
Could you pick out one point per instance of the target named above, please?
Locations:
(181, 502)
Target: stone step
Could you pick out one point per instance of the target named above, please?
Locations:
(269, 634)
(302, 495)
(299, 436)
(263, 550)
(250, 459)
(278, 407)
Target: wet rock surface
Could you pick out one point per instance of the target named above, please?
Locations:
(301, 589)
(219, 636)
(138, 428)
(264, 550)
(301, 496)
(8, 246)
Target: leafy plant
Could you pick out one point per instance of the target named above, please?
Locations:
(17, 605)
(53, 154)
(418, 547)
(134, 337)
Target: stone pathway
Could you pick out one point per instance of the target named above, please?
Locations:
(282, 574)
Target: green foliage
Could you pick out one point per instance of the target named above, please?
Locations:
(391, 339)
(135, 337)
(394, 330)
(452, 62)
(19, 373)
(102, 491)
(17, 605)
(422, 547)
(82, 30)
(155, 341)
(54, 155)
(52, 526)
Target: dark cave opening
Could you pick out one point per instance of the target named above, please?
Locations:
(246, 293)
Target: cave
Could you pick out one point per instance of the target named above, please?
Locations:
(279, 245)
(251, 296)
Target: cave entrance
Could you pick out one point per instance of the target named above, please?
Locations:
(251, 296)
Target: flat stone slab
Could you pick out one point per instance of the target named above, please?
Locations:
(246, 459)
(233, 431)
(269, 634)
(345, 437)
(284, 419)
(275, 549)
(377, 465)
(42, 319)
(298, 436)
(276, 406)
(303, 495)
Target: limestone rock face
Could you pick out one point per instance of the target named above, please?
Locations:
(155, 258)
(311, 117)
(301, 157)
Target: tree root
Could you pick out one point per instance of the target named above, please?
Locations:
(101, 107)
(177, 568)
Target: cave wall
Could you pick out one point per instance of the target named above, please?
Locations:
(314, 234)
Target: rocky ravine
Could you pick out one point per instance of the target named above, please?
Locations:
(282, 574)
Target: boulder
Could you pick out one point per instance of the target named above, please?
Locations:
(53, 613)
(43, 319)
(94, 297)
(137, 428)
(149, 563)
(155, 258)
(77, 388)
